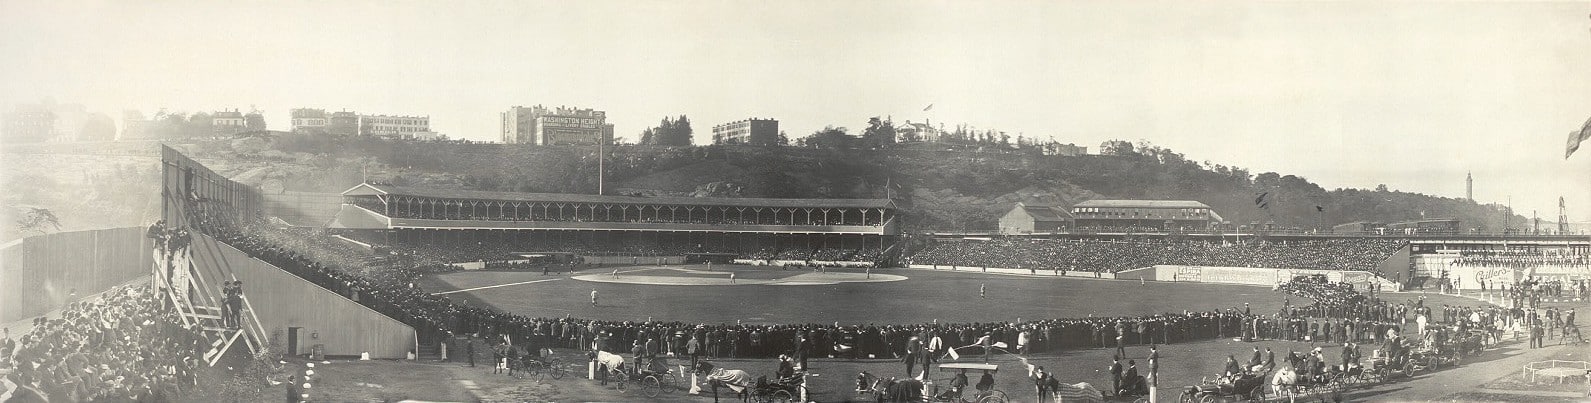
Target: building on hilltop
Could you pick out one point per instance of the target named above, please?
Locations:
(555, 126)
(134, 125)
(49, 121)
(346, 123)
(1068, 149)
(1158, 215)
(1469, 187)
(227, 123)
(343, 123)
(753, 131)
(396, 127)
(518, 125)
(1028, 219)
(28, 123)
(308, 120)
(917, 132)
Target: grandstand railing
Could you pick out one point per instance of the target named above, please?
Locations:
(411, 223)
(1477, 236)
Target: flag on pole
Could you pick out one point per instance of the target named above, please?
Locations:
(1576, 137)
(930, 106)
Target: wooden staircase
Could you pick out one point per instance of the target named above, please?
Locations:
(198, 300)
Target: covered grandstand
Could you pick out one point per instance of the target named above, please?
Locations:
(466, 225)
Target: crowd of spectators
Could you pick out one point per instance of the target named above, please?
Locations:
(121, 346)
(865, 254)
(485, 213)
(1331, 299)
(1518, 259)
(1114, 256)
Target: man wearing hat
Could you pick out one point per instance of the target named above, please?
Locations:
(913, 348)
(1041, 381)
(786, 367)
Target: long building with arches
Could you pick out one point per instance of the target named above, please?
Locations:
(559, 222)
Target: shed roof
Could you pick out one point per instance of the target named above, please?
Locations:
(392, 190)
(1142, 204)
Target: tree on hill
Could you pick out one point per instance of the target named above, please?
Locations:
(670, 132)
(38, 220)
(879, 133)
(831, 138)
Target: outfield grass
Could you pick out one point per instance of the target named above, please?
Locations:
(924, 297)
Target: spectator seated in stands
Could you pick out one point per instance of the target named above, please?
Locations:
(1114, 256)
(121, 346)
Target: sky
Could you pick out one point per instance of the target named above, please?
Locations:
(1345, 94)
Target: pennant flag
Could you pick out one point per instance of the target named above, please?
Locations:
(1320, 209)
(1576, 137)
(1261, 198)
(930, 106)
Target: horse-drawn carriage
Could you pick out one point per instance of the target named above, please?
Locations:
(957, 388)
(1241, 387)
(781, 390)
(1326, 383)
(784, 389)
(1384, 367)
(982, 392)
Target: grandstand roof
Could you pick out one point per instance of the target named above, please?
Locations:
(1046, 213)
(355, 217)
(1142, 204)
(378, 189)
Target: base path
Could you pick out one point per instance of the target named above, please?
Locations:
(660, 275)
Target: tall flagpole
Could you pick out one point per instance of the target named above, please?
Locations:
(601, 165)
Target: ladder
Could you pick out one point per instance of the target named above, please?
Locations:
(199, 305)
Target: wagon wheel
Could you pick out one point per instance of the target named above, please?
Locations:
(1188, 396)
(556, 369)
(1408, 369)
(665, 382)
(994, 396)
(780, 396)
(1258, 394)
(1211, 398)
(651, 386)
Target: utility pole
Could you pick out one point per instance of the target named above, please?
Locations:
(1563, 218)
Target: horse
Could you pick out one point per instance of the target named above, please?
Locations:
(1284, 378)
(736, 380)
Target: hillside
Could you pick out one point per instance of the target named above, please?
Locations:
(112, 184)
(947, 190)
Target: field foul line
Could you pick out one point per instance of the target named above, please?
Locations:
(493, 286)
